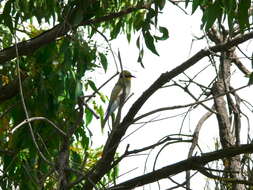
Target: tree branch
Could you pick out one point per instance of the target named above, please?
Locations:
(188, 164)
(29, 46)
(104, 164)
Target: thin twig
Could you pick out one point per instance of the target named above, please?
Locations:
(36, 119)
(110, 47)
(88, 107)
(195, 141)
(183, 106)
(24, 105)
(95, 92)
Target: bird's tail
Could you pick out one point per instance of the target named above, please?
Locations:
(105, 119)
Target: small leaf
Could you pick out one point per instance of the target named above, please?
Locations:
(79, 89)
(88, 116)
(243, 15)
(165, 34)
(141, 57)
(100, 111)
(149, 41)
(139, 20)
(195, 5)
(161, 4)
(103, 61)
(102, 97)
(8, 22)
(7, 15)
(186, 3)
(76, 158)
(138, 42)
(92, 85)
(116, 29)
(151, 13)
(211, 14)
(230, 21)
(77, 17)
(250, 79)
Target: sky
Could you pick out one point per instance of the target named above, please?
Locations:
(173, 52)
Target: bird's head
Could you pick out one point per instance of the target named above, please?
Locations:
(126, 75)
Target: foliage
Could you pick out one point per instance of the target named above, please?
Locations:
(54, 78)
(54, 83)
(233, 11)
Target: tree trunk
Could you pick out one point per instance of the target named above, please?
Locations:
(225, 112)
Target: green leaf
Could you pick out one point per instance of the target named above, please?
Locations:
(88, 116)
(139, 20)
(141, 57)
(138, 42)
(187, 2)
(77, 17)
(165, 34)
(195, 5)
(76, 158)
(92, 85)
(100, 111)
(230, 9)
(149, 41)
(7, 15)
(211, 14)
(243, 15)
(161, 4)
(79, 89)
(103, 61)
(151, 13)
(102, 97)
(116, 29)
(250, 79)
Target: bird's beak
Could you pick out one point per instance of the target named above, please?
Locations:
(133, 76)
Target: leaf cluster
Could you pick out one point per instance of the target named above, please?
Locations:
(53, 79)
(220, 10)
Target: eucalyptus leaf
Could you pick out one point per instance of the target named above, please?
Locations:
(92, 85)
(250, 79)
(103, 61)
(243, 15)
(149, 41)
(88, 116)
(165, 34)
(79, 89)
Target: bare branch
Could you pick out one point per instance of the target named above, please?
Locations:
(188, 164)
(104, 164)
(195, 141)
(36, 119)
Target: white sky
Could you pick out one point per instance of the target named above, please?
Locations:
(172, 52)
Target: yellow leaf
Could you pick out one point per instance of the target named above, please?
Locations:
(5, 80)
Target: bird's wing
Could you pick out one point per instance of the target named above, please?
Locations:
(116, 95)
(117, 91)
(115, 98)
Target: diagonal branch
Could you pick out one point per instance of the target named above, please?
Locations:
(104, 164)
(192, 163)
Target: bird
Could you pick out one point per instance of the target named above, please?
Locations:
(119, 93)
